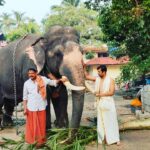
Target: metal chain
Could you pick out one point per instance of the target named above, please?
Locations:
(14, 82)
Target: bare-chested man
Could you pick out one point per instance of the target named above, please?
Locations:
(107, 124)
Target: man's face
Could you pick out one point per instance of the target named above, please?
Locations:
(32, 75)
(100, 73)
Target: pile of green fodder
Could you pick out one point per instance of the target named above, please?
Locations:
(55, 138)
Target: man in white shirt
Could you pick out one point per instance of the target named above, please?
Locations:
(34, 100)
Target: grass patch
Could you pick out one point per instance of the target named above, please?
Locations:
(84, 136)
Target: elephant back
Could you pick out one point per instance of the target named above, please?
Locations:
(21, 44)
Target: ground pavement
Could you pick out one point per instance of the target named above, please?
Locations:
(130, 140)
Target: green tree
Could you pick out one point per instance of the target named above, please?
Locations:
(22, 30)
(96, 4)
(81, 18)
(18, 25)
(31, 19)
(89, 55)
(2, 2)
(74, 3)
(19, 18)
(127, 23)
(6, 22)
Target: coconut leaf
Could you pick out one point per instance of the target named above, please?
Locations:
(84, 136)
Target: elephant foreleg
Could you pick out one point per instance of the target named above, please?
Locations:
(77, 108)
(55, 102)
(60, 106)
(48, 111)
(48, 116)
(63, 114)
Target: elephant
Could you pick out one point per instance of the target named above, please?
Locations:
(58, 51)
(59, 97)
(65, 40)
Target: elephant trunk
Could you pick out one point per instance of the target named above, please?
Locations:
(77, 100)
(72, 68)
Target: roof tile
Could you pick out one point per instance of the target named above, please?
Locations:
(104, 61)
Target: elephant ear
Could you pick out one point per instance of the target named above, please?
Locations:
(36, 55)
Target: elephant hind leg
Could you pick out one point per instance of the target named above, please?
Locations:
(9, 108)
(1, 115)
(1, 112)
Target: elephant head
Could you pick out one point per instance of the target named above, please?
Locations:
(64, 58)
(64, 54)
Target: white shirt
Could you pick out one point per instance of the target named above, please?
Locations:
(35, 101)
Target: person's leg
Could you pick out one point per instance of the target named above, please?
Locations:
(41, 128)
(29, 128)
(35, 130)
(118, 143)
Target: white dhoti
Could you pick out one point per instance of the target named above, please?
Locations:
(107, 124)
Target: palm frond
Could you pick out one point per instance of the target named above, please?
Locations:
(84, 136)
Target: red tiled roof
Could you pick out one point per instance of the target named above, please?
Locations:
(104, 61)
(101, 49)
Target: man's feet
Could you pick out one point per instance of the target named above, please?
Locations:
(118, 143)
(93, 120)
(40, 146)
(2, 143)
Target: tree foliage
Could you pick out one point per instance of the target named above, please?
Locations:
(16, 25)
(131, 71)
(89, 55)
(96, 4)
(22, 30)
(6, 22)
(82, 19)
(74, 3)
(2, 2)
(19, 18)
(127, 23)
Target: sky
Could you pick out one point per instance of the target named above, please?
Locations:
(36, 9)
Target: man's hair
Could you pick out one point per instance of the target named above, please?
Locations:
(102, 67)
(32, 69)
